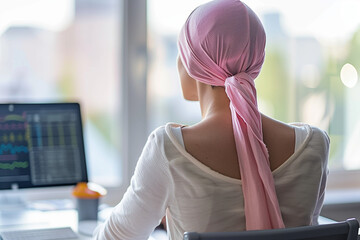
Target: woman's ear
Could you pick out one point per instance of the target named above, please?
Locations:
(188, 84)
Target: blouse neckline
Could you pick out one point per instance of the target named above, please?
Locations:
(180, 147)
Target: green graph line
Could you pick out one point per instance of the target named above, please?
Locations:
(14, 117)
(13, 165)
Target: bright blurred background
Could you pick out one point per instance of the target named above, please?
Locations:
(310, 72)
(69, 50)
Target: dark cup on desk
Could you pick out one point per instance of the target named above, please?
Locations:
(87, 209)
(87, 197)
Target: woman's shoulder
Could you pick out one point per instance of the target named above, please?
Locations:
(312, 132)
(321, 134)
(165, 129)
(164, 133)
(167, 138)
(320, 141)
(315, 145)
(161, 131)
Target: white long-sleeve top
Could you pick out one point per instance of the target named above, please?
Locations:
(169, 181)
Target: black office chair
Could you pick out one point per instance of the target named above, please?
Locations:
(347, 230)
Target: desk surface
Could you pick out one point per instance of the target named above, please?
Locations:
(33, 219)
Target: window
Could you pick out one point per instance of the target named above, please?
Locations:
(164, 90)
(310, 72)
(68, 50)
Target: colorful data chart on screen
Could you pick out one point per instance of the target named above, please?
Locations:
(40, 147)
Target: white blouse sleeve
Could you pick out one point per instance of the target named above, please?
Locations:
(325, 141)
(146, 199)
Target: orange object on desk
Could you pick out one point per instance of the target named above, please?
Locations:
(88, 190)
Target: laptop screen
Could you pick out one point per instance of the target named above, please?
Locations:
(41, 145)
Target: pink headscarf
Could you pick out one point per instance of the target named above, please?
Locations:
(222, 43)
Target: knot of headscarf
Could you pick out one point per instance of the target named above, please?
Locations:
(222, 44)
(240, 88)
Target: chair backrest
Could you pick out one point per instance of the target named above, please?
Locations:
(346, 230)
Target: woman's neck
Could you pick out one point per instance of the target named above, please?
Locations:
(213, 101)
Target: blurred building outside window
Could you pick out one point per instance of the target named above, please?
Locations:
(65, 51)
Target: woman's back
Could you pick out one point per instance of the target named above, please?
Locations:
(198, 198)
(208, 198)
(213, 144)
